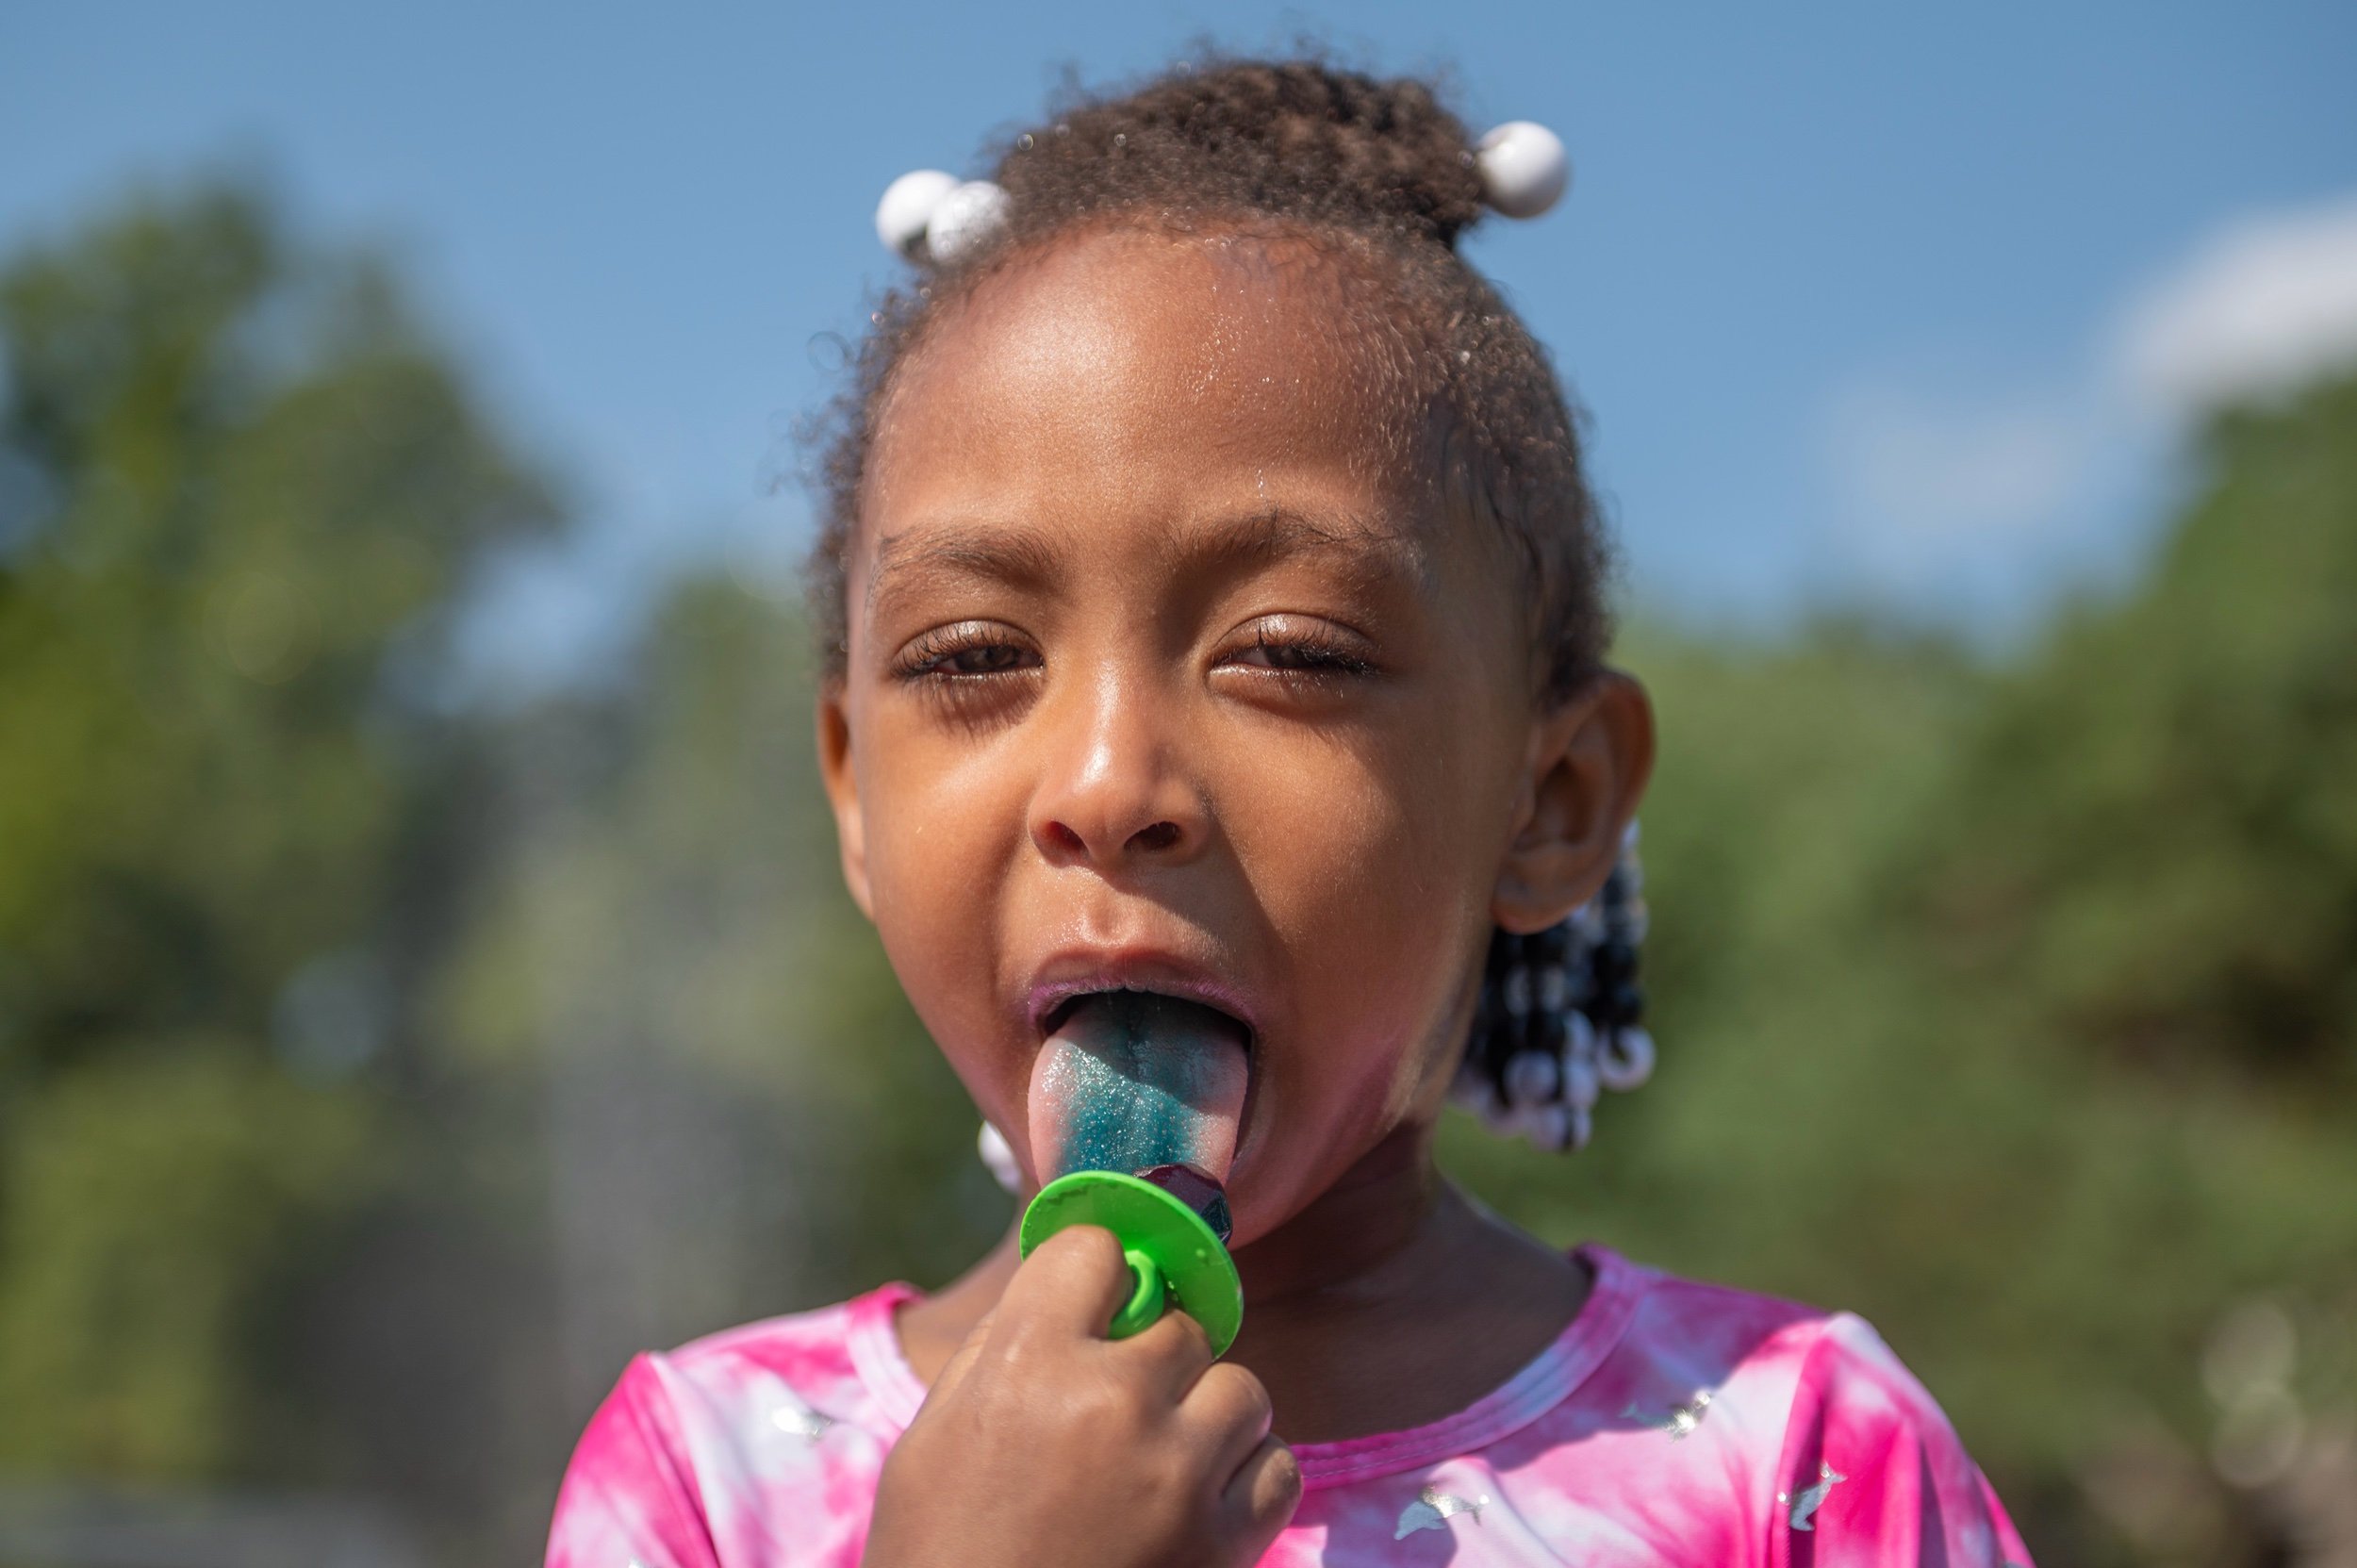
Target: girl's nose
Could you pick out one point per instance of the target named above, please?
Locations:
(1110, 793)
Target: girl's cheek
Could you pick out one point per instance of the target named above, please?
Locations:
(1386, 889)
(929, 846)
(1346, 856)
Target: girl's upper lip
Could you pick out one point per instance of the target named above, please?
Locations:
(1079, 972)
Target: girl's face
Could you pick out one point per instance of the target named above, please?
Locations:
(1159, 677)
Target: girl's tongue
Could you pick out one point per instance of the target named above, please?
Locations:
(1131, 1080)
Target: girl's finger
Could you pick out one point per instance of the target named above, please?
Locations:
(1261, 1500)
(1228, 1413)
(1176, 1350)
(1070, 1286)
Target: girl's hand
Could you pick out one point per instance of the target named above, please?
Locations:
(1044, 1444)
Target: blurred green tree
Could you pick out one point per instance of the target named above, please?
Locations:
(2140, 890)
(240, 499)
(2157, 831)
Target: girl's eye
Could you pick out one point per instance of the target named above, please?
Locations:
(972, 650)
(989, 659)
(1292, 645)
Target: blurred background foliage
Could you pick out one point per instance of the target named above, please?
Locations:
(378, 1070)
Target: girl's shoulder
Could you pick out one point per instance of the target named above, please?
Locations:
(775, 1429)
(1675, 1422)
(1769, 1367)
(804, 1372)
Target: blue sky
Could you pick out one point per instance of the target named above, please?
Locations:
(1864, 298)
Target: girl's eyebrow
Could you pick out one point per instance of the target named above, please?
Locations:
(1278, 533)
(1015, 555)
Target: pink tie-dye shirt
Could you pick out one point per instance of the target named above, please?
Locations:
(1670, 1424)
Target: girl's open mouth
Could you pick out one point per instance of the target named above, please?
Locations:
(1129, 1080)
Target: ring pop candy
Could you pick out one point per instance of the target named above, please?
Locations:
(1134, 1105)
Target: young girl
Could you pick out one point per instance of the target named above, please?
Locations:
(1213, 597)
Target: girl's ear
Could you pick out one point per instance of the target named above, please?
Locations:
(1586, 770)
(834, 766)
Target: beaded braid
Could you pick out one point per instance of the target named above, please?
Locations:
(1561, 1018)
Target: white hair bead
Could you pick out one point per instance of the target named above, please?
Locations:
(991, 1145)
(908, 205)
(1524, 169)
(1625, 1058)
(965, 220)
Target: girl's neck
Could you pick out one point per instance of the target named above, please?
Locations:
(1382, 1206)
(1390, 1301)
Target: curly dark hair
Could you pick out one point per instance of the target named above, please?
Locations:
(1376, 173)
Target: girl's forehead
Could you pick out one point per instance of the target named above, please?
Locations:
(1137, 414)
(1128, 363)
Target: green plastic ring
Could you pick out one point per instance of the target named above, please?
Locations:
(1147, 1295)
(1171, 1251)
